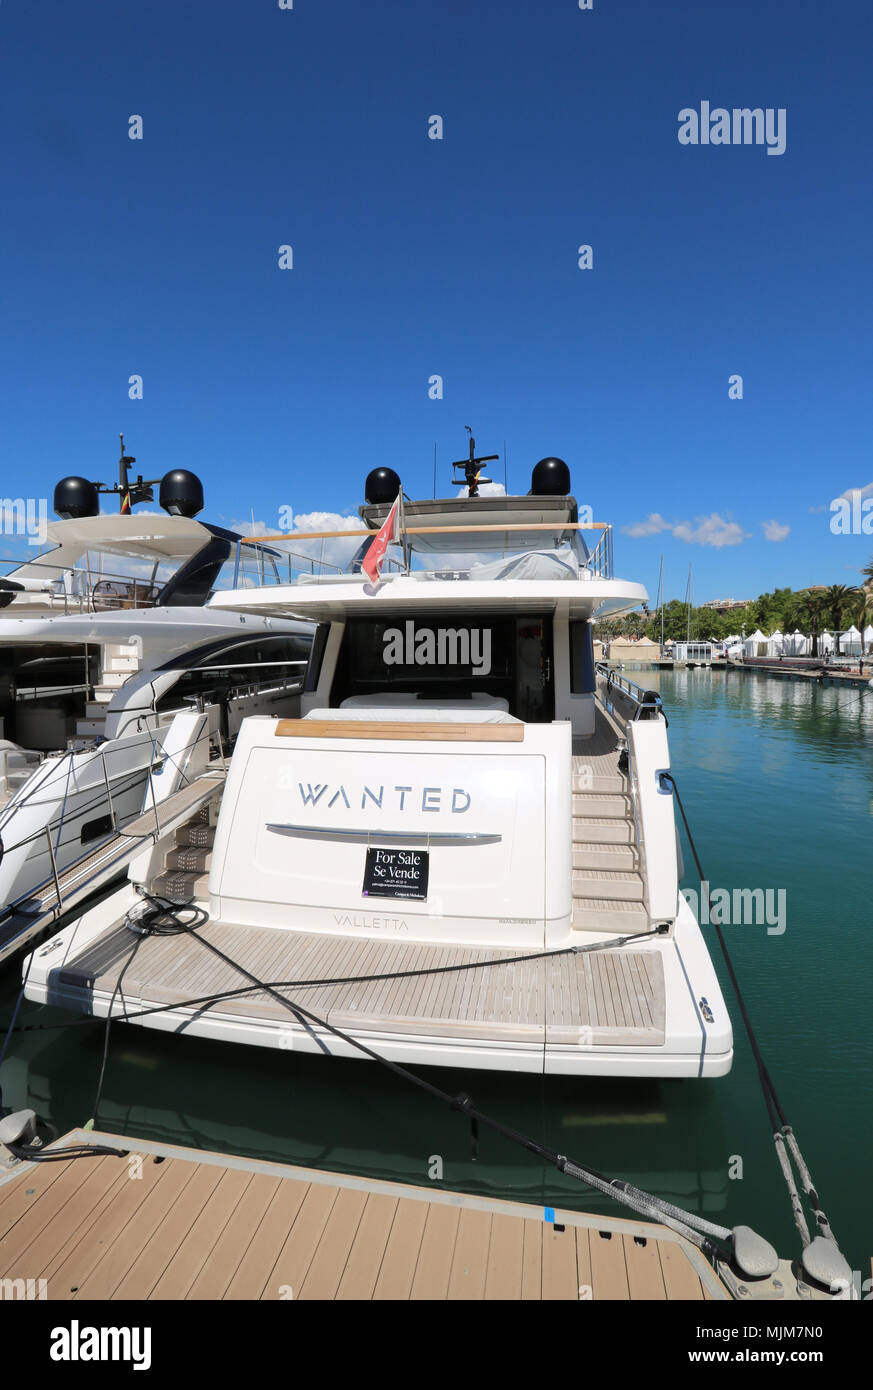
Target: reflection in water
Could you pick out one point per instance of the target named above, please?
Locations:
(777, 779)
(355, 1117)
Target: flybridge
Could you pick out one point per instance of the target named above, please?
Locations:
(443, 646)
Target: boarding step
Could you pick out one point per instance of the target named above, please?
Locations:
(95, 709)
(584, 782)
(102, 695)
(618, 885)
(90, 728)
(181, 886)
(602, 914)
(111, 680)
(602, 804)
(196, 834)
(591, 855)
(602, 830)
(189, 857)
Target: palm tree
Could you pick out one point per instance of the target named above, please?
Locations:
(808, 613)
(863, 612)
(837, 597)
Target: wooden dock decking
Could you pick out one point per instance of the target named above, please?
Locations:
(175, 1223)
(833, 675)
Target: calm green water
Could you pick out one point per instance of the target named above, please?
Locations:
(777, 778)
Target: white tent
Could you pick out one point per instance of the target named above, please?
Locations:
(868, 638)
(776, 644)
(825, 642)
(850, 642)
(796, 644)
(756, 645)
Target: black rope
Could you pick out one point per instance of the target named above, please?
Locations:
(98, 1093)
(30, 1153)
(778, 1119)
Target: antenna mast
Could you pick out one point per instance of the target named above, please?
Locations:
(130, 493)
(472, 471)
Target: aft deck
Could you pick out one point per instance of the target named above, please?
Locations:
(609, 997)
(198, 1225)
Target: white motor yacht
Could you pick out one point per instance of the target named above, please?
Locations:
(464, 850)
(104, 639)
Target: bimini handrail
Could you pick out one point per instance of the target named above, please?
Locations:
(435, 531)
(597, 564)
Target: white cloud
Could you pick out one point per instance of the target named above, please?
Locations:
(334, 552)
(487, 490)
(326, 521)
(709, 530)
(775, 530)
(650, 527)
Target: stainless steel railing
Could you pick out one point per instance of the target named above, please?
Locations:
(645, 704)
(600, 560)
(598, 563)
(80, 589)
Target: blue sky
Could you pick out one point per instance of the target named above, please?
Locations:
(414, 257)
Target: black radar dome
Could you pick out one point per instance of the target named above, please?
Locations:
(382, 485)
(75, 498)
(550, 478)
(181, 493)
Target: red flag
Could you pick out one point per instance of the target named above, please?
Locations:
(388, 532)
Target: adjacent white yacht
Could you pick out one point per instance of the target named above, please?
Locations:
(104, 638)
(463, 852)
